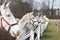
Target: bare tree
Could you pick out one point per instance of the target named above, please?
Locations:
(52, 10)
(31, 3)
(48, 8)
(44, 7)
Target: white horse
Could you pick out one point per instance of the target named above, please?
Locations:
(43, 24)
(10, 24)
(25, 23)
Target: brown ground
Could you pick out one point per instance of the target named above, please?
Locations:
(5, 35)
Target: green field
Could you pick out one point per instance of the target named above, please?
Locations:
(51, 32)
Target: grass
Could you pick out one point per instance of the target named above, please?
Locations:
(51, 32)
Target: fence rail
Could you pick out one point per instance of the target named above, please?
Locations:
(32, 32)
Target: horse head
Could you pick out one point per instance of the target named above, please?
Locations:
(8, 16)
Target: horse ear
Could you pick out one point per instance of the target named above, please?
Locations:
(3, 5)
(7, 4)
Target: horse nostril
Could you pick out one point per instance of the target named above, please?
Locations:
(13, 33)
(17, 34)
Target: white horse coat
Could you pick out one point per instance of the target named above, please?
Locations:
(8, 16)
(24, 23)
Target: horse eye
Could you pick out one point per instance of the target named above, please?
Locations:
(8, 15)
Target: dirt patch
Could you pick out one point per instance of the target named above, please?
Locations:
(4, 35)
